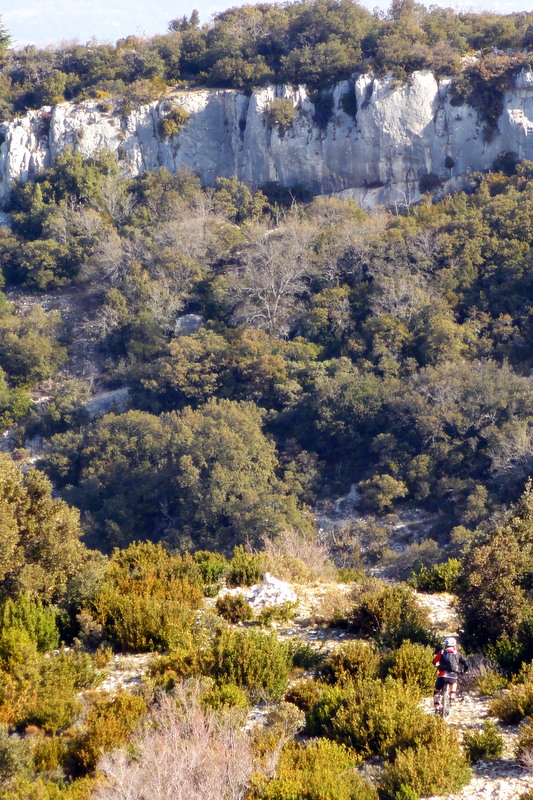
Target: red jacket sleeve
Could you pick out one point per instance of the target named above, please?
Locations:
(436, 660)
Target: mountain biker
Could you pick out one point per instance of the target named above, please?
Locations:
(450, 663)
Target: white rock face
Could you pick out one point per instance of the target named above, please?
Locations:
(400, 133)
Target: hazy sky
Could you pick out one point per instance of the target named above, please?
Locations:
(51, 21)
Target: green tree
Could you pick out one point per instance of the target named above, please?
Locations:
(498, 575)
(206, 476)
(40, 536)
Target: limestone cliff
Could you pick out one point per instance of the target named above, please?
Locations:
(399, 133)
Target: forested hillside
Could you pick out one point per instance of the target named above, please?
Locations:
(315, 43)
(280, 359)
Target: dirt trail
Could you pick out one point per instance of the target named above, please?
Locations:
(497, 779)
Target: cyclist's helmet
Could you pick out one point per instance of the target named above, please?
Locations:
(450, 641)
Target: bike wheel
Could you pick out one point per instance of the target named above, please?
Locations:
(445, 701)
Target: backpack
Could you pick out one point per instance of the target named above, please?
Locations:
(449, 661)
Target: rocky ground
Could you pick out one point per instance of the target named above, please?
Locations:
(498, 779)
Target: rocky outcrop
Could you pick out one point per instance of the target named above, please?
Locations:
(398, 134)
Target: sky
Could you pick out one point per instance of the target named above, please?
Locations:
(43, 22)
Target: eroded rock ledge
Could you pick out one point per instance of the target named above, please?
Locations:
(399, 134)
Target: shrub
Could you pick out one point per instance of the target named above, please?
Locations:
(245, 569)
(172, 123)
(183, 750)
(294, 557)
(14, 756)
(351, 660)
(281, 113)
(55, 703)
(278, 613)
(379, 492)
(432, 765)
(41, 690)
(149, 598)
(320, 770)
(490, 682)
(139, 623)
(304, 655)
(184, 661)
(304, 694)
(524, 748)
(234, 608)
(412, 664)
(440, 578)
(391, 614)
(108, 725)
(514, 705)
(255, 660)
(486, 744)
(213, 566)
(383, 717)
(224, 696)
(49, 753)
(318, 719)
(333, 608)
(507, 652)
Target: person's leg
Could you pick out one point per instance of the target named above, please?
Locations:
(437, 693)
(453, 690)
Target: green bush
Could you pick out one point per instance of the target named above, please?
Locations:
(107, 726)
(515, 704)
(213, 566)
(31, 616)
(412, 664)
(351, 660)
(277, 613)
(391, 614)
(433, 764)
(304, 655)
(14, 756)
(304, 694)
(245, 569)
(491, 682)
(281, 113)
(440, 578)
(319, 718)
(234, 608)
(172, 123)
(254, 660)
(382, 718)
(149, 598)
(319, 770)
(483, 744)
(189, 658)
(226, 695)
